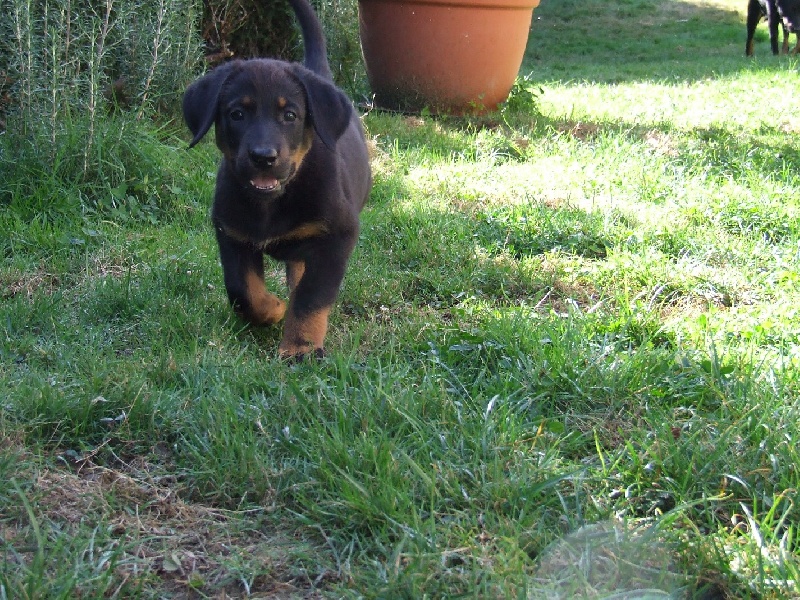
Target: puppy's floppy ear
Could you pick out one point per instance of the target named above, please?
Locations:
(201, 100)
(329, 108)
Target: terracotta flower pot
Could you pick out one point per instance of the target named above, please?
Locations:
(452, 56)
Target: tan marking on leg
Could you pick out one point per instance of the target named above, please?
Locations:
(294, 273)
(302, 335)
(265, 308)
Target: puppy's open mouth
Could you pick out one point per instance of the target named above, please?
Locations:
(264, 183)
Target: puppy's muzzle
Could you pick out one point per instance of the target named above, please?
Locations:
(267, 177)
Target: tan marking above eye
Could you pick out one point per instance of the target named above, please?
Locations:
(282, 102)
(248, 102)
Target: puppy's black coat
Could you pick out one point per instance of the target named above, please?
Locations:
(785, 13)
(293, 178)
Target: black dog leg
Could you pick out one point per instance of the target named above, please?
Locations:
(754, 15)
(243, 270)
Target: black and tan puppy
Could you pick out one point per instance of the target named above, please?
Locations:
(785, 13)
(293, 178)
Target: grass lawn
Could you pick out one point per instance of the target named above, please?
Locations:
(564, 362)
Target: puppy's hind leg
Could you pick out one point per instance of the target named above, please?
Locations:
(243, 269)
(294, 273)
(796, 48)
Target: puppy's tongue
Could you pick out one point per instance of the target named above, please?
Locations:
(264, 183)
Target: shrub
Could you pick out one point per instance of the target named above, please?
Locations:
(248, 28)
(79, 76)
(340, 20)
(67, 58)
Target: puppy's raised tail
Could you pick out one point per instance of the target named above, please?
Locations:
(315, 51)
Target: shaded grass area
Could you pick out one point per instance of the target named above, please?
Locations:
(566, 340)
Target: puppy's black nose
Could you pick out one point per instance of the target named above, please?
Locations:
(263, 156)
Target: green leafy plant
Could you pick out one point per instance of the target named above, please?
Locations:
(524, 95)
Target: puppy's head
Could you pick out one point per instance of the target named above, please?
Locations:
(267, 115)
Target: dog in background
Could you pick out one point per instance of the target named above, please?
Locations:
(293, 179)
(783, 12)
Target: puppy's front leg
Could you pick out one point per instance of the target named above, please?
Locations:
(243, 269)
(314, 284)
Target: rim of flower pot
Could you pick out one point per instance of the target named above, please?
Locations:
(496, 4)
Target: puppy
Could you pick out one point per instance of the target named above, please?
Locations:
(293, 179)
(783, 12)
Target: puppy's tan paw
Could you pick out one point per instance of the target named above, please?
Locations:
(265, 310)
(304, 335)
(298, 357)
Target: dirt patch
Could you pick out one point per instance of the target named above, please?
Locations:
(661, 143)
(164, 544)
(578, 129)
(791, 126)
(27, 284)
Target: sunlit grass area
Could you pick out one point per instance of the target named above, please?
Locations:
(563, 363)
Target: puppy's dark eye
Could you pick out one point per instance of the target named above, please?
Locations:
(237, 115)
(290, 116)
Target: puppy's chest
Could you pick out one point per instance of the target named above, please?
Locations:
(274, 240)
(270, 226)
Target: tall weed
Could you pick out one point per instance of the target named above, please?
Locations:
(75, 72)
(340, 21)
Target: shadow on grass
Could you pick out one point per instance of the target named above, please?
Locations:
(435, 257)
